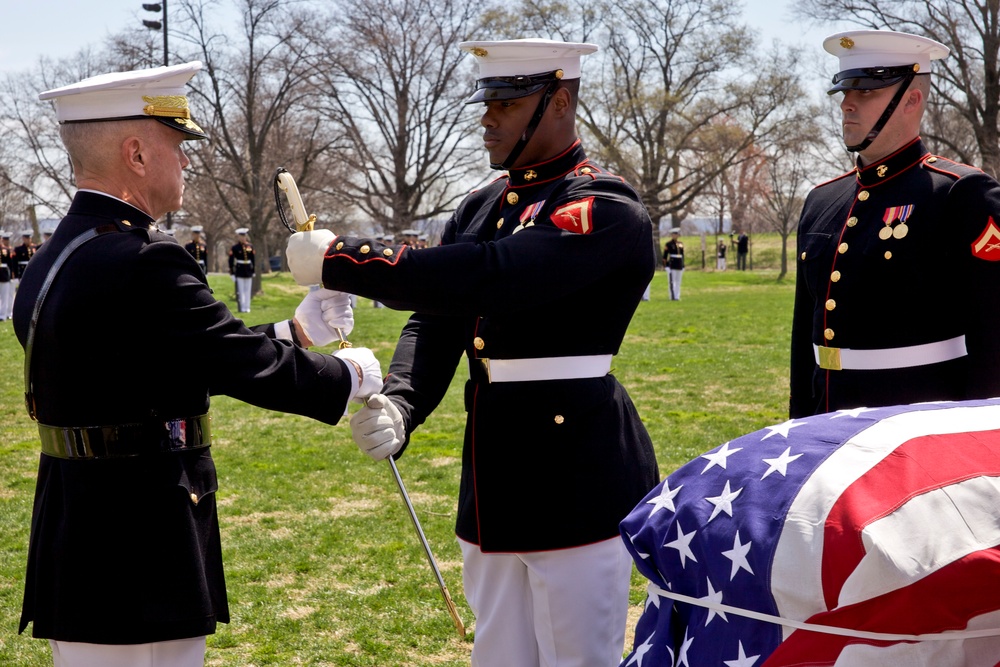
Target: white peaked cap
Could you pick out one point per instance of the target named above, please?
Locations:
(528, 56)
(159, 93)
(859, 49)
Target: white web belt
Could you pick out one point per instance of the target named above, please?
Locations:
(546, 368)
(844, 358)
(653, 589)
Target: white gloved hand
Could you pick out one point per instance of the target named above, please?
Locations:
(305, 252)
(378, 427)
(370, 379)
(322, 312)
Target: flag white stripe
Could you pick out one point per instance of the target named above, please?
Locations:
(798, 591)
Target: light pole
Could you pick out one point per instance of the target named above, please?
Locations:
(158, 25)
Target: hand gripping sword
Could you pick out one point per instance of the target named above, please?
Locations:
(284, 182)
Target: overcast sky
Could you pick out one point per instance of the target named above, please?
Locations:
(60, 28)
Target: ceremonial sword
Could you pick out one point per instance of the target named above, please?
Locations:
(284, 182)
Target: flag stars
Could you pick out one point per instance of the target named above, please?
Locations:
(743, 660)
(782, 428)
(682, 655)
(780, 464)
(853, 413)
(641, 555)
(723, 502)
(719, 457)
(641, 651)
(665, 499)
(714, 597)
(738, 556)
(683, 545)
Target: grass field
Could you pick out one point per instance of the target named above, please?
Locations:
(323, 566)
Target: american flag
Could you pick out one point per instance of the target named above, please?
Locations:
(865, 537)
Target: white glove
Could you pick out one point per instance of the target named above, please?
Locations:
(305, 252)
(378, 427)
(370, 380)
(322, 312)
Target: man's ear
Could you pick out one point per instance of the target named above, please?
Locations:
(132, 155)
(914, 99)
(560, 102)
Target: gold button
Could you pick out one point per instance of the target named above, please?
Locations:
(932, 159)
(194, 498)
(586, 170)
(830, 304)
(560, 419)
(835, 276)
(828, 334)
(499, 223)
(851, 221)
(888, 255)
(803, 255)
(387, 252)
(512, 197)
(478, 343)
(842, 248)
(863, 195)
(126, 223)
(365, 249)
(340, 245)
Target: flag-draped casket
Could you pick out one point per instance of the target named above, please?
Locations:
(864, 537)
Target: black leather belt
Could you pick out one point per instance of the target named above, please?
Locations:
(124, 440)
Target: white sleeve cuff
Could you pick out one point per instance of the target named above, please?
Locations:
(283, 330)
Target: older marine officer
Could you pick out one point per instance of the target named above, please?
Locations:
(124, 562)
(555, 454)
(898, 280)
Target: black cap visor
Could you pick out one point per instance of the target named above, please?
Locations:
(511, 87)
(869, 78)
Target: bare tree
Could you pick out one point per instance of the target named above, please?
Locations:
(789, 167)
(252, 98)
(392, 80)
(968, 81)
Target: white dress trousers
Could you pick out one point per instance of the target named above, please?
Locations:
(563, 608)
(244, 286)
(176, 653)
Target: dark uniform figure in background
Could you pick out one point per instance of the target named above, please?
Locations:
(23, 253)
(673, 260)
(742, 250)
(241, 266)
(124, 563)
(555, 454)
(898, 285)
(6, 276)
(197, 249)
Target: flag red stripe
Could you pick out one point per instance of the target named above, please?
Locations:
(943, 600)
(915, 467)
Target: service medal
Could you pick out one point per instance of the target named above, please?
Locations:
(900, 231)
(885, 233)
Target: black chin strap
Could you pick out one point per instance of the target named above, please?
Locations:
(880, 123)
(529, 131)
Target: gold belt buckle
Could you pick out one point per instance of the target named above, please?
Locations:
(829, 358)
(485, 363)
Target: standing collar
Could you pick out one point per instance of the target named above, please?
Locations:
(92, 202)
(891, 165)
(550, 169)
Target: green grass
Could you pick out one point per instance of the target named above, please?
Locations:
(322, 564)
